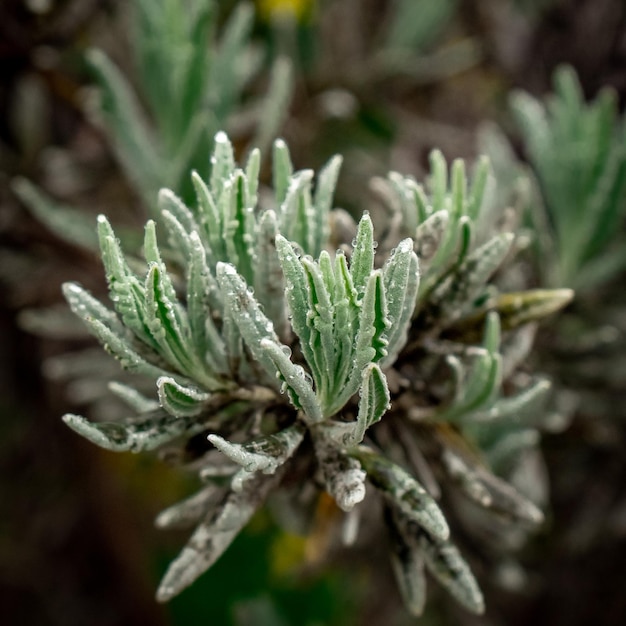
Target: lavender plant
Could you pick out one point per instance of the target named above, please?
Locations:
(189, 84)
(282, 356)
(577, 151)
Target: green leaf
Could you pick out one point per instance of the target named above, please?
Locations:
(478, 188)
(371, 340)
(253, 167)
(211, 221)
(252, 323)
(467, 281)
(225, 77)
(268, 277)
(403, 492)
(191, 510)
(134, 145)
(429, 234)
(130, 396)
(147, 433)
(374, 401)
(68, 223)
(180, 400)
(240, 229)
(275, 104)
(126, 291)
(203, 299)
(166, 322)
(177, 238)
(438, 181)
(282, 170)
(121, 347)
(222, 164)
(523, 307)
(169, 201)
(324, 191)
(401, 283)
(482, 385)
(346, 320)
(444, 561)
(320, 319)
(297, 214)
(490, 491)
(298, 297)
(215, 533)
(265, 454)
(85, 306)
(295, 380)
(362, 261)
(408, 565)
(517, 406)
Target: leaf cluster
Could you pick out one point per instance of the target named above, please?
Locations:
(276, 350)
(190, 84)
(578, 153)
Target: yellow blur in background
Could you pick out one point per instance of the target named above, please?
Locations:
(298, 10)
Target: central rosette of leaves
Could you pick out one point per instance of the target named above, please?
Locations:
(259, 340)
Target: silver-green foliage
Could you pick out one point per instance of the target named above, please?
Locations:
(190, 84)
(273, 348)
(578, 153)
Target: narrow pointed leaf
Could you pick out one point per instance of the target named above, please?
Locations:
(297, 295)
(516, 406)
(295, 379)
(191, 510)
(214, 534)
(479, 185)
(253, 324)
(401, 281)
(463, 286)
(276, 102)
(520, 308)
(282, 170)
(296, 215)
(211, 221)
(163, 319)
(180, 400)
(239, 231)
(371, 339)
(123, 350)
(373, 403)
(69, 223)
(408, 565)
(149, 432)
(504, 498)
(429, 235)
(134, 145)
(445, 563)
(85, 306)
(362, 261)
(265, 454)
(323, 199)
(403, 492)
(135, 400)
(268, 277)
(222, 163)
(203, 299)
(169, 201)
(126, 291)
(320, 319)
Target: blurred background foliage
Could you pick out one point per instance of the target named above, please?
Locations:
(381, 82)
